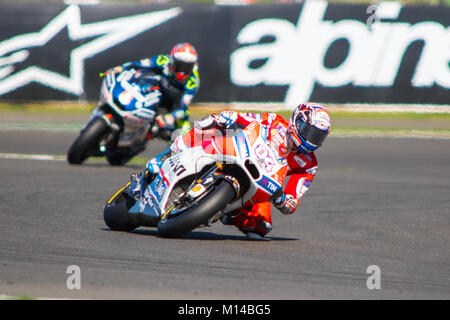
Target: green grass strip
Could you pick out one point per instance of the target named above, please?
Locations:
(337, 131)
(388, 132)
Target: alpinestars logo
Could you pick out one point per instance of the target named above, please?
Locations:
(296, 58)
(105, 34)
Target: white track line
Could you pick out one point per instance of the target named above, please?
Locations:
(30, 126)
(389, 135)
(42, 157)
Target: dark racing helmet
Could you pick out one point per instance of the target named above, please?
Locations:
(308, 127)
(183, 59)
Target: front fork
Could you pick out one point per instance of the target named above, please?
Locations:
(109, 120)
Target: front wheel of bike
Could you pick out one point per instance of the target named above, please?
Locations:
(115, 213)
(88, 141)
(181, 221)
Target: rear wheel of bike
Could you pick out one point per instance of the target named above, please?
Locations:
(115, 213)
(88, 141)
(183, 220)
(118, 159)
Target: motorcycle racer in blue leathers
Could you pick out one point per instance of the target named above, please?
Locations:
(178, 82)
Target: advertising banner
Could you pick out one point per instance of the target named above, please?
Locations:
(290, 53)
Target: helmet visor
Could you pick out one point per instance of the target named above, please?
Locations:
(311, 134)
(183, 67)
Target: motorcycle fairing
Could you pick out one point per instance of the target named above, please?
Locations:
(124, 93)
(251, 144)
(174, 169)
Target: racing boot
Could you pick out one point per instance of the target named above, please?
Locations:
(250, 222)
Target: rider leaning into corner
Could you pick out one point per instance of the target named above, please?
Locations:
(296, 140)
(178, 85)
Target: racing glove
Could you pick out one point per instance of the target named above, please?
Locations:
(286, 203)
(223, 121)
(227, 119)
(117, 69)
(165, 121)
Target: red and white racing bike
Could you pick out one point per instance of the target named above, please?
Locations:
(212, 176)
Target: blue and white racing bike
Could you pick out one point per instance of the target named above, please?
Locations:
(123, 121)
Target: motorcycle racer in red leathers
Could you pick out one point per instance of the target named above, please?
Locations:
(296, 140)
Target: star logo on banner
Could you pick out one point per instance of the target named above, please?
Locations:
(104, 34)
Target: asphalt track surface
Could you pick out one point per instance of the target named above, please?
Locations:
(375, 201)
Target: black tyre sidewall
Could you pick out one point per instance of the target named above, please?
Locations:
(116, 215)
(199, 213)
(87, 140)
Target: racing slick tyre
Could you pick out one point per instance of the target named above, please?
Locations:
(115, 213)
(181, 221)
(88, 141)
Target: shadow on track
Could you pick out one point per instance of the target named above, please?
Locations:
(199, 235)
